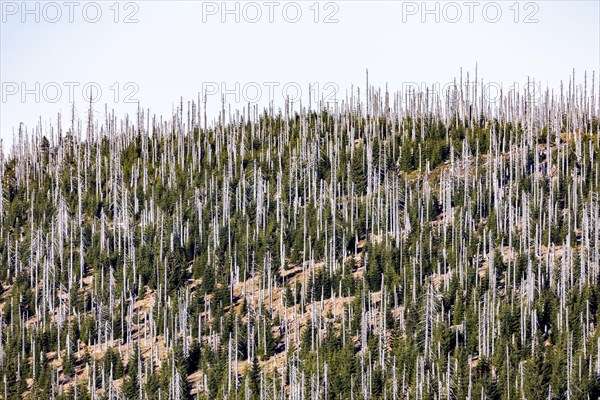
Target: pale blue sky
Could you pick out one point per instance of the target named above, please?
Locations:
(170, 52)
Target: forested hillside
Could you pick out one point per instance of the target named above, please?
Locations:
(389, 246)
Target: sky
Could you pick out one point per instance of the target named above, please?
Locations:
(156, 52)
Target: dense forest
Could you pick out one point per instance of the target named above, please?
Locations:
(389, 246)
